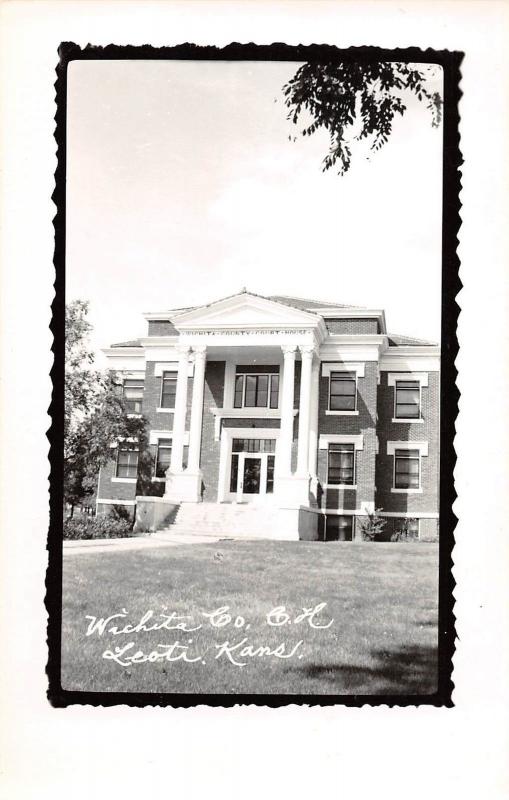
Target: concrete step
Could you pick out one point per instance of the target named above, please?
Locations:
(217, 520)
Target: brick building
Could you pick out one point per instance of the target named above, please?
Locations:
(281, 417)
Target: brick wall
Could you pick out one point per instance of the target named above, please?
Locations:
(362, 423)
(109, 489)
(210, 449)
(160, 420)
(351, 326)
(426, 431)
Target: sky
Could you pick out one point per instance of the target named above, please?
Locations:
(183, 187)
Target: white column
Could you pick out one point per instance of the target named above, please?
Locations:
(200, 354)
(284, 456)
(304, 410)
(179, 416)
(313, 426)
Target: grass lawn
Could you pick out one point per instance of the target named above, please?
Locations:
(382, 599)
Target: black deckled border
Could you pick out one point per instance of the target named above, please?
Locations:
(450, 62)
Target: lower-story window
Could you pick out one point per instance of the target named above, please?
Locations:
(406, 469)
(339, 528)
(341, 466)
(163, 457)
(408, 528)
(270, 474)
(127, 460)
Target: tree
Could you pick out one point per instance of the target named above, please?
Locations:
(356, 101)
(95, 414)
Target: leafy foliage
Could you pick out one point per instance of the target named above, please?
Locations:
(354, 101)
(95, 414)
(372, 525)
(102, 527)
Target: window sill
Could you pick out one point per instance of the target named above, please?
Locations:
(406, 491)
(400, 419)
(165, 410)
(134, 416)
(158, 480)
(341, 413)
(124, 480)
(340, 486)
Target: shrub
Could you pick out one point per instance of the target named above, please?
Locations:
(372, 525)
(101, 527)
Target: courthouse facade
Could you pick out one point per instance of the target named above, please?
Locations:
(287, 417)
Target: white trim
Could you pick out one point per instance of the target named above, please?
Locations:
(123, 352)
(150, 499)
(422, 377)
(134, 416)
(123, 480)
(158, 480)
(165, 410)
(410, 362)
(229, 383)
(155, 435)
(110, 502)
(115, 444)
(341, 413)
(409, 491)
(343, 512)
(212, 314)
(227, 436)
(421, 446)
(397, 419)
(410, 514)
(339, 485)
(244, 413)
(340, 438)
(171, 366)
(343, 366)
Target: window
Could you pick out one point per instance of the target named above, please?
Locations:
(406, 469)
(270, 475)
(341, 464)
(253, 446)
(338, 528)
(132, 392)
(256, 387)
(127, 460)
(168, 389)
(407, 402)
(163, 457)
(342, 391)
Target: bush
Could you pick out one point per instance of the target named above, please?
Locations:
(101, 527)
(372, 525)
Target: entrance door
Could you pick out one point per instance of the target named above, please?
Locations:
(252, 475)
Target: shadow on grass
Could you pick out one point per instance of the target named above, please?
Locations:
(409, 670)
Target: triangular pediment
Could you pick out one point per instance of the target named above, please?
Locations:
(244, 310)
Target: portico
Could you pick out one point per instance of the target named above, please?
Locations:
(260, 351)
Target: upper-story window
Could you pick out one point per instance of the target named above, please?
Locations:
(407, 465)
(132, 392)
(342, 391)
(168, 389)
(127, 460)
(256, 387)
(407, 403)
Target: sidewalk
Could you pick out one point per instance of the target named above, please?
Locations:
(132, 543)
